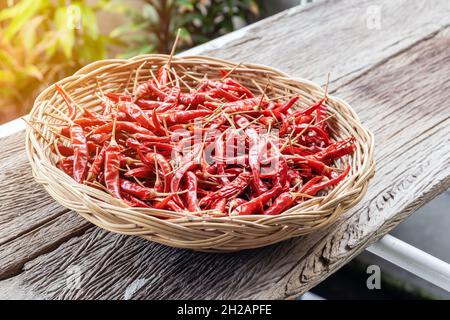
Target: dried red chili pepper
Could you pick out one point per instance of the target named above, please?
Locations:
(285, 107)
(97, 165)
(80, 152)
(134, 135)
(71, 105)
(256, 205)
(229, 191)
(140, 172)
(142, 193)
(313, 190)
(66, 165)
(220, 205)
(135, 113)
(111, 169)
(126, 126)
(191, 195)
(133, 201)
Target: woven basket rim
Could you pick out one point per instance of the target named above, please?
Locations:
(148, 217)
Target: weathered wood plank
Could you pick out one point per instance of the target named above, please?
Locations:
(295, 33)
(42, 239)
(32, 223)
(337, 36)
(20, 194)
(404, 101)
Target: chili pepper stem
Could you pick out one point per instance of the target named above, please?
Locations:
(263, 94)
(66, 118)
(231, 71)
(299, 135)
(67, 99)
(326, 86)
(136, 77)
(174, 46)
(261, 90)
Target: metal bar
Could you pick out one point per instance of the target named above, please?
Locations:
(310, 296)
(413, 260)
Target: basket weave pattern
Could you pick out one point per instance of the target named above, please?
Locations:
(179, 229)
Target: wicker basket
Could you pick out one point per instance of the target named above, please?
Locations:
(219, 234)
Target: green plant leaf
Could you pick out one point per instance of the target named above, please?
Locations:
(29, 8)
(127, 29)
(7, 60)
(89, 21)
(186, 4)
(66, 37)
(28, 33)
(114, 6)
(150, 14)
(11, 12)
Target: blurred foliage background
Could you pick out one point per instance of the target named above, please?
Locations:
(42, 41)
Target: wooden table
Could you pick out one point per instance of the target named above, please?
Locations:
(397, 77)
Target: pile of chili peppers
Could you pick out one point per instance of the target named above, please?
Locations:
(218, 148)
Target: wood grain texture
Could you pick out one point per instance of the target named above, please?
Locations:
(401, 91)
(32, 223)
(336, 36)
(16, 183)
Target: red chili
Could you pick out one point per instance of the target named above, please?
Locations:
(126, 126)
(80, 152)
(89, 122)
(285, 107)
(239, 87)
(133, 201)
(135, 113)
(163, 75)
(283, 201)
(97, 165)
(220, 205)
(316, 188)
(66, 165)
(71, 105)
(111, 170)
(191, 195)
(250, 104)
(229, 191)
(163, 165)
(158, 128)
(140, 172)
(152, 138)
(137, 190)
(186, 116)
(116, 97)
(149, 104)
(64, 150)
(337, 150)
(321, 134)
(163, 203)
(256, 205)
(221, 93)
